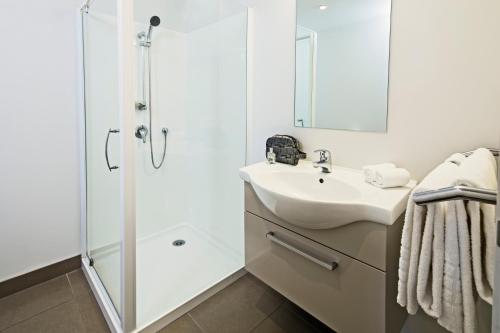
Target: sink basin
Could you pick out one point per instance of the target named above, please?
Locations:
(305, 197)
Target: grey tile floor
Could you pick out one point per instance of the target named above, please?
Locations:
(66, 304)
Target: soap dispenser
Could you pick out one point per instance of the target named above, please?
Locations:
(271, 156)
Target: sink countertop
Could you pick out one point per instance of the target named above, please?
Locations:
(341, 196)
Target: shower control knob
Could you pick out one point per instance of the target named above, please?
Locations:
(141, 132)
(140, 106)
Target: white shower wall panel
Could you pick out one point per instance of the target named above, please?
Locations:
(217, 114)
(199, 93)
(162, 195)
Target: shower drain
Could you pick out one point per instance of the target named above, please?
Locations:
(178, 242)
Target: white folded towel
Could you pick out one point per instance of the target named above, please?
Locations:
(456, 158)
(391, 177)
(369, 170)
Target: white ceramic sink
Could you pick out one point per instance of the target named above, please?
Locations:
(307, 198)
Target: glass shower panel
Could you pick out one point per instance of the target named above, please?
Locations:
(102, 144)
(191, 82)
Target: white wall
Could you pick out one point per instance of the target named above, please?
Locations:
(39, 168)
(271, 44)
(443, 94)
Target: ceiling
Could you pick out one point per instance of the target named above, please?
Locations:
(178, 15)
(339, 12)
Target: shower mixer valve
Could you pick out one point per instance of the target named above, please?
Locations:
(141, 132)
(140, 106)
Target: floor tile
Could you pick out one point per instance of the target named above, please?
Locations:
(60, 319)
(259, 283)
(182, 325)
(66, 304)
(78, 283)
(90, 313)
(236, 309)
(315, 323)
(7, 311)
(284, 321)
(34, 300)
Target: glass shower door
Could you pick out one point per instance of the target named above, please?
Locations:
(100, 41)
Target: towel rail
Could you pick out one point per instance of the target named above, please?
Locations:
(458, 192)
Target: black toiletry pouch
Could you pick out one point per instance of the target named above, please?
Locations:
(286, 148)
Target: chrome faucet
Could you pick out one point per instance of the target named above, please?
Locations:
(325, 160)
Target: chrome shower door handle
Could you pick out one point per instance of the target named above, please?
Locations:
(114, 167)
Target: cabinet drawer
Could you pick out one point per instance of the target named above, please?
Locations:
(345, 294)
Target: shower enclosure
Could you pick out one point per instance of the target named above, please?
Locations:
(163, 137)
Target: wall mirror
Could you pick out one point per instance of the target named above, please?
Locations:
(342, 64)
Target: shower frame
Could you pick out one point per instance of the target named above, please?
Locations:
(126, 322)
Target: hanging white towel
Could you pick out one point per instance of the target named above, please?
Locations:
(412, 253)
(480, 170)
(431, 261)
(458, 312)
(441, 259)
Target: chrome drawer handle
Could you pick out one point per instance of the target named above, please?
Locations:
(328, 265)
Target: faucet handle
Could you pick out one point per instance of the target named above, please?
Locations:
(141, 132)
(324, 155)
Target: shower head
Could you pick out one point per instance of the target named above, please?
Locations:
(153, 22)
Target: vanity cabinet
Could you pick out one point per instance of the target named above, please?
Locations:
(346, 277)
